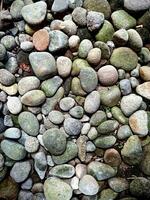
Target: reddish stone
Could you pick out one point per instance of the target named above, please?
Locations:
(41, 40)
(112, 157)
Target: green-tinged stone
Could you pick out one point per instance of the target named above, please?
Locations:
(121, 19)
(107, 126)
(13, 150)
(105, 50)
(108, 194)
(118, 115)
(29, 123)
(106, 32)
(124, 58)
(135, 40)
(70, 153)
(105, 142)
(97, 118)
(77, 65)
(62, 171)
(76, 87)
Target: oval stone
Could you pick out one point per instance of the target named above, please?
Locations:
(63, 171)
(92, 102)
(41, 40)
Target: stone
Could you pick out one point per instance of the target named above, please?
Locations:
(132, 150)
(50, 86)
(145, 73)
(9, 42)
(144, 90)
(15, 9)
(124, 132)
(81, 144)
(108, 194)
(77, 65)
(75, 3)
(34, 13)
(62, 171)
(88, 185)
(25, 195)
(120, 37)
(56, 117)
(31, 144)
(14, 105)
(72, 126)
(20, 171)
(118, 184)
(107, 127)
(27, 84)
(92, 102)
(136, 5)
(29, 123)
(59, 7)
(58, 41)
(101, 6)
(84, 48)
(100, 171)
(55, 188)
(124, 58)
(112, 157)
(55, 141)
(97, 118)
(42, 69)
(107, 75)
(12, 133)
(94, 56)
(130, 103)
(26, 46)
(13, 150)
(94, 20)
(64, 65)
(40, 164)
(125, 86)
(66, 103)
(110, 96)
(79, 16)
(69, 27)
(106, 32)
(41, 40)
(3, 52)
(70, 153)
(121, 19)
(27, 185)
(105, 142)
(33, 98)
(10, 90)
(118, 115)
(6, 78)
(88, 78)
(75, 183)
(138, 122)
(76, 112)
(135, 40)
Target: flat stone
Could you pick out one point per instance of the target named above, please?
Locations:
(28, 83)
(41, 40)
(12, 133)
(109, 194)
(55, 141)
(144, 90)
(62, 171)
(13, 150)
(55, 188)
(20, 171)
(45, 69)
(6, 78)
(92, 102)
(14, 105)
(34, 13)
(72, 126)
(105, 142)
(100, 171)
(88, 185)
(130, 103)
(33, 98)
(29, 123)
(138, 122)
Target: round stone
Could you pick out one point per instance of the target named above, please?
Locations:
(97, 118)
(64, 65)
(29, 123)
(13, 150)
(108, 75)
(28, 83)
(120, 37)
(62, 171)
(108, 126)
(92, 102)
(88, 78)
(66, 103)
(118, 184)
(31, 144)
(20, 171)
(6, 78)
(84, 48)
(135, 40)
(9, 42)
(2, 126)
(74, 41)
(136, 5)
(41, 40)
(42, 69)
(55, 141)
(124, 58)
(12, 133)
(59, 7)
(94, 56)
(33, 98)
(34, 13)
(139, 123)
(14, 105)
(76, 112)
(55, 188)
(69, 27)
(94, 20)
(72, 126)
(26, 46)
(88, 185)
(145, 73)
(112, 157)
(56, 117)
(124, 132)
